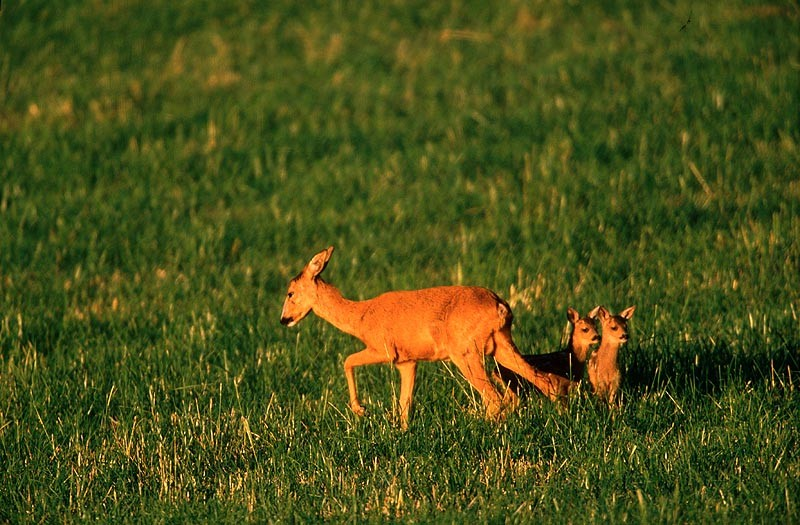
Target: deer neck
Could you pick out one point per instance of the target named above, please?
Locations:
(342, 313)
(607, 352)
(580, 351)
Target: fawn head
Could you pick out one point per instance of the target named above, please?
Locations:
(302, 293)
(584, 329)
(615, 327)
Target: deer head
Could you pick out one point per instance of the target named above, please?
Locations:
(584, 329)
(302, 293)
(615, 327)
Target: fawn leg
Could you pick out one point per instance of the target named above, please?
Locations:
(368, 356)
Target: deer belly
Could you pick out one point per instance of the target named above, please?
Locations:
(417, 353)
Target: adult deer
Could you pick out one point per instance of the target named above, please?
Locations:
(459, 323)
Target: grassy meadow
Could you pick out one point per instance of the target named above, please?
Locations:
(167, 166)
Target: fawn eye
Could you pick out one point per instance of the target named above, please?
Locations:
(290, 295)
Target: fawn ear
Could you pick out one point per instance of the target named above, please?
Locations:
(594, 312)
(602, 313)
(572, 315)
(318, 262)
(628, 312)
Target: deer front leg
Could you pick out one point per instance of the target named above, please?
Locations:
(408, 374)
(368, 356)
(613, 387)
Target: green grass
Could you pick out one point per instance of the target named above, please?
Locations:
(167, 167)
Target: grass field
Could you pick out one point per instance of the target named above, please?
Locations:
(166, 168)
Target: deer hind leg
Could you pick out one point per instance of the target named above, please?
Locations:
(510, 397)
(506, 354)
(471, 365)
(368, 356)
(408, 374)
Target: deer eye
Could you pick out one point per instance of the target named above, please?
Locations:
(290, 295)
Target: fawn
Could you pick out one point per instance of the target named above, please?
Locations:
(567, 365)
(459, 323)
(604, 373)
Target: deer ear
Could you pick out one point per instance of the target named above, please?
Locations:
(602, 313)
(628, 312)
(318, 262)
(572, 315)
(594, 313)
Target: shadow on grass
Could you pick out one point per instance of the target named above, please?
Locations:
(706, 366)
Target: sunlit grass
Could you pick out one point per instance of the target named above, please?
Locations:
(166, 168)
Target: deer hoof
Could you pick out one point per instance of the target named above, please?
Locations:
(495, 412)
(357, 408)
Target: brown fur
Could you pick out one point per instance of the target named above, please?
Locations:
(604, 374)
(459, 323)
(567, 365)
